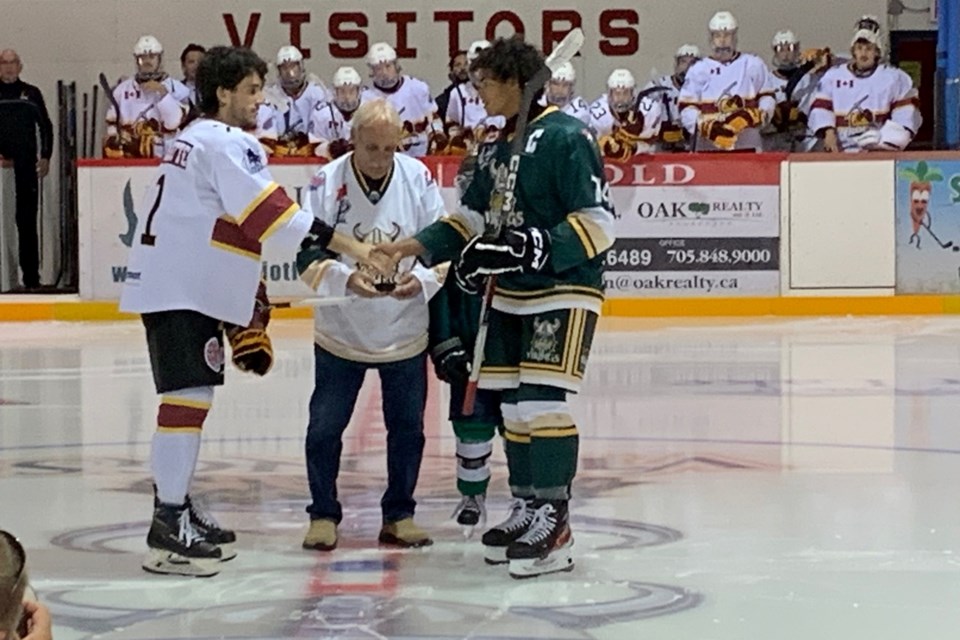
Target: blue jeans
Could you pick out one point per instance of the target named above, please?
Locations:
(403, 385)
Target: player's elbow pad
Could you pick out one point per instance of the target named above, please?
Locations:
(895, 135)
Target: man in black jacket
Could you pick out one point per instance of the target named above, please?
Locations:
(22, 111)
(457, 73)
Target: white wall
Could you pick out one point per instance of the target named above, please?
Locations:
(77, 39)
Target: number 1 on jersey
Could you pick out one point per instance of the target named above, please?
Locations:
(147, 238)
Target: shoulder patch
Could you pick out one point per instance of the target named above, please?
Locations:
(252, 160)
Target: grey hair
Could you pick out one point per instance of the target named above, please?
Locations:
(376, 111)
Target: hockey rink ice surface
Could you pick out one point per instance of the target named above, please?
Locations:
(748, 479)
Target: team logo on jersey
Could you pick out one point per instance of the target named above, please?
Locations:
(213, 354)
(545, 345)
(343, 205)
(317, 181)
(253, 161)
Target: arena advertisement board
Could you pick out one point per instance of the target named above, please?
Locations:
(686, 226)
(927, 211)
(690, 226)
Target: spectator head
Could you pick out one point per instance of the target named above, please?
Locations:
(376, 133)
(685, 57)
(148, 54)
(723, 35)
(786, 50)
(560, 87)
(621, 87)
(230, 85)
(290, 69)
(10, 66)
(501, 71)
(189, 59)
(384, 68)
(346, 89)
(13, 584)
(457, 68)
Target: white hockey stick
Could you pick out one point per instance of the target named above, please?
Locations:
(504, 193)
(312, 302)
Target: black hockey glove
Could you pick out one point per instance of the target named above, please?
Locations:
(451, 361)
(516, 251)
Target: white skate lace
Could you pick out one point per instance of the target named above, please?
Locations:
(519, 516)
(472, 503)
(544, 520)
(188, 534)
(201, 515)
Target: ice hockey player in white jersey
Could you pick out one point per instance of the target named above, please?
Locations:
(410, 97)
(624, 127)
(194, 271)
(284, 119)
(787, 131)
(467, 122)
(727, 98)
(561, 92)
(865, 105)
(152, 107)
(330, 121)
(378, 195)
(671, 129)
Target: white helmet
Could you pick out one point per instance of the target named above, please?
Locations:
(346, 77)
(565, 73)
(688, 50)
(147, 45)
(784, 38)
(723, 21)
(871, 23)
(870, 36)
(288, 53)
(621, 79)
(475, 48)
(381, 52)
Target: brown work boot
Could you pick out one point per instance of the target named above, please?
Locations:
(404, 533)
(322, 535)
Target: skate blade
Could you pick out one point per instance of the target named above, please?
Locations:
(167, 563)
(495, 555)
(227, 552)
(522, 569)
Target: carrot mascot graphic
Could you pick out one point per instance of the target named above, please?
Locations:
(921, 179)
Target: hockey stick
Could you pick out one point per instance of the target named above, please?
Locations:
(312, 302)
(108, 93)
(94, 117)
(504, 193)
(947, 245)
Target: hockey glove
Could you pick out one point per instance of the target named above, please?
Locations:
(613, 149)
(671, 134)
(261, 308)
(869, 139)
(252, 350)
(451, 361)
(516, 251)
(719, 134)
(745, 118)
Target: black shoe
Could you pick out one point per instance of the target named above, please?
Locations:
(496, 540)
(545, 546)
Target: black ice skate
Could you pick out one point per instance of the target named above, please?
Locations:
(497, 539)
(176, 547)
(471, 513)
(545, 546)
(208, 527)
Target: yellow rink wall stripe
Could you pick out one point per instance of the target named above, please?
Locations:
(12, 310)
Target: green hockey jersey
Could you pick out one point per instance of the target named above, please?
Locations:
(560, 188)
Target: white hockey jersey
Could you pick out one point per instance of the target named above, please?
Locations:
(576, 107)
(284, 120)
(199, 235)
(712, 90)
(466, 113)
(411, 98)
(147, 120)
(671, 136)
(329, 124)
(605, 122)
(803, 95)
(854, 104)
(373, 329)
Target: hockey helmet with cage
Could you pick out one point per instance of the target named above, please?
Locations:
(384, 68)
(473, 51)
(868, 35)
(288, 53)
(723, 21)
(620, 87)
(564, 73)
(148, 46)
(381, 52)
(785, 38)
(291, 78)
(871, 23)
(688, 51)
(346, 88)
(621, 79)
(559, 89)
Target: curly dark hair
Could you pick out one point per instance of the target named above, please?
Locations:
(225, 67)
(509, 58)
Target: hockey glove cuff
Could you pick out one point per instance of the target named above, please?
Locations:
(252, 350)
(451, 361)
(516, 251)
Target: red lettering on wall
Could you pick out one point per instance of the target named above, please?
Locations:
(609, 31)
(503, 16)
(402, 19)
(339, 34)
(552, 35)
(248, 36)
(454, 18)
(296, 20)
